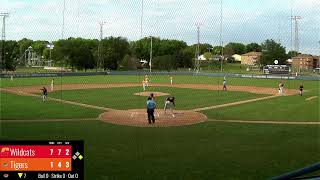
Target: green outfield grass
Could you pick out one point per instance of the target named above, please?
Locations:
(287, 108)
(210, 150)
(123, 98)
(204, 151)
(23, 107)
(291, 84)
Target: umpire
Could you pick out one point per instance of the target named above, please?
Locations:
(151, 105)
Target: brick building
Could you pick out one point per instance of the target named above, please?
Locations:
(250, 58)
(305, 62)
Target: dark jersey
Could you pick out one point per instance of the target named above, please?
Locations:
(44, 91)
(171, 99)
(301, 87)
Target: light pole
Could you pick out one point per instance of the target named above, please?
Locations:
(220, 37)
(99, 64)
(150, 63)
(50, 46)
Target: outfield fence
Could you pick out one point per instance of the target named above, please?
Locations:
(229, 75)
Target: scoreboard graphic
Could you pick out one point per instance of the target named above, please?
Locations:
(42, 160)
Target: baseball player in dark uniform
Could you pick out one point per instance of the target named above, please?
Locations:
(301, 89)
(44, 94)
(169, 104)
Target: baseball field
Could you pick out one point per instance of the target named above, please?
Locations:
(246, 132)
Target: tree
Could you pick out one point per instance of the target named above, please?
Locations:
(113, 51)
(217, 50)
(39, 46)
(183, 59)
(165, 62)
(130, 62)
(10, 55)
(207, 55)
(292, 54)
(234, 48)
(82, 58)
(23, 46)
(271, 51)
(160, 47)
(253, 47)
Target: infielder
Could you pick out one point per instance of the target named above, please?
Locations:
(281, 86)
(146, 79)
(52, 83)
(301, 89)
(171, 80)
(44, 94)
(143, 85)
(224, 84)
(169, 104)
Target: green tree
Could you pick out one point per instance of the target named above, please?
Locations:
(23, 46)
(165, 62)
(39, 46)
(9, 55)
(253, 47)
(82, 58)
(234, 48)
(130, 62)
(207, 55)
(292, 54)
(217, 50)
(271, 51)
(113, 51)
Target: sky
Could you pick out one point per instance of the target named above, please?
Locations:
(243, 21)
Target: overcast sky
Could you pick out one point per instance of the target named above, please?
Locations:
(244, 21)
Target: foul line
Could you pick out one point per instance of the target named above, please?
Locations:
(310, 98)
(46, 120)
(266, 122)
(58, 100)
(233, 103)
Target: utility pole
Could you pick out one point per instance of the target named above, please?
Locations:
(197, 62)
(99, 64)
(141, 22)
(150, 63)
(296, 32)
(220, 36)
(63, 15)
(3, 39)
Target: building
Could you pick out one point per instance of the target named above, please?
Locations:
(237, 57)
(305, 62)
(250, 58)
(201, 58)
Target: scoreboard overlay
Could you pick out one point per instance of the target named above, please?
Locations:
(42, 160)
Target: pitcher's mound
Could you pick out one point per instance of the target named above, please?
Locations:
(138, 117)
(147, 93)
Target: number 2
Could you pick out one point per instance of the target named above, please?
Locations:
(67, 152)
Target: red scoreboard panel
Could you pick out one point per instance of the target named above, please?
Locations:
(41, 160)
